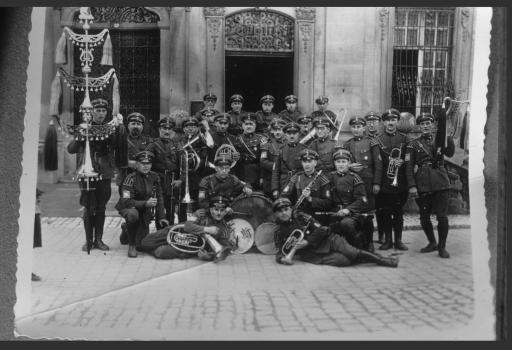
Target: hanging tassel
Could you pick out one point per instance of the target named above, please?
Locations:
(50, 148)
(115, 96)
(60, 50)
(106, 60)
(55, 96)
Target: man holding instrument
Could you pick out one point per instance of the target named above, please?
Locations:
(212, 223)
(318, 245)
(430, 184)
(269, 153)
(141, 201)
(323, 144)
(166, 165)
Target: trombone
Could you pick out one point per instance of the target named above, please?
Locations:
(393, 166)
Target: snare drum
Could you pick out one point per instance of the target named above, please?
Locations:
(256, 208)
(241, 235)
(264, 238)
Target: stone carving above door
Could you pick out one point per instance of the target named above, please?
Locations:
(121, 15)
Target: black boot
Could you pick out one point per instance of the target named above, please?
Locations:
(89, 232)
(368, 230)
(99, 222)
(132, 252)
(123, 238)
(380, 229)
(398, 226)
(388, 242)
(378, 259)
(426, 224)
(442, 230)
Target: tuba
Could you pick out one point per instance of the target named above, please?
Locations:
(183, 241)
(393, 166)
(228, 151)
(290, 246)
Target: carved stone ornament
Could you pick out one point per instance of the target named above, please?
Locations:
(305, 31)
(214, 25)
(214, 11)
(464, 22)
(121, 15)
(259, 30)
(305, 13)
(383, 21)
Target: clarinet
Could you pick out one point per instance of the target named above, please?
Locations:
(308, 186)
(153, 209)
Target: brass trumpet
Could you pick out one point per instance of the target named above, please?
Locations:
(392, 172)
(290, 246)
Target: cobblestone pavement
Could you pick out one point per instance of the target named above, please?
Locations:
(108, 296)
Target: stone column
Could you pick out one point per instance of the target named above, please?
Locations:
(386, 20)
(165, 48)
(304, 57)
(214, 17)
(462, 51)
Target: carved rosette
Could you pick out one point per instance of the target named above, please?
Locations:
(305, 13)
(121, 15)
(214, 11)
(465, 19)
(305, 30)
(383, 22)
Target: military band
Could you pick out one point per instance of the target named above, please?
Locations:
(293, 159)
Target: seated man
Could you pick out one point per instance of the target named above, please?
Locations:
(213, 224)
(141, 201)
(318, 245)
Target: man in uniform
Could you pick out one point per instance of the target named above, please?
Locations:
(291, 113)
(430, 185)
(323, 144)
(269, 153)
(287, 162)
(221, 135)
(394, 190)
(348, 195)
(306, 127)
(235, 114)
(209, 111)
(95, 198)
(141, 201)
(212, 223)
(249, 145)
(319, 245)
(265, 115)
(166, 165)
(309, 186)
(323, 103)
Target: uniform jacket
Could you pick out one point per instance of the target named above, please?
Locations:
(207, 114)
(220, 138)
(386, 142)
(197, 224)
(325, 148)
(263, 120)
(235, 125)
(166, 162)
(214, 185)
(431, 175)
(329, 114)
(136, 189)
(290, 116)
(286, 164)
(248, 167)
(367, 154)
(269, 153)
(348, 191)
(320, 191)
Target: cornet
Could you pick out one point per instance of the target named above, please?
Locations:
(290, 246)
(394, 165)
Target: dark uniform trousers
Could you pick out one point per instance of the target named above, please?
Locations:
(286, 164)
(433, 184)
(136, 189)
(269, 153)
(135, 145)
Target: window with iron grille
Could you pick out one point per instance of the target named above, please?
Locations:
(422, 54)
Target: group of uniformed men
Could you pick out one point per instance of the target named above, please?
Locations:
(329, 189)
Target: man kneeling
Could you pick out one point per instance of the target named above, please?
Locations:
(210, 229)
(316, 244)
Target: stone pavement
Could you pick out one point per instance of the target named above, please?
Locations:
(108, 296)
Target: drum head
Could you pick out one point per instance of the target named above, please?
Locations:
(256, 208)
(241, 235)
(264, 238)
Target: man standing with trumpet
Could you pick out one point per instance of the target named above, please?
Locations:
(393, 190)
(299, 233)
(430, 184)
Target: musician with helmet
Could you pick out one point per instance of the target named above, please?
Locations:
(141, 201)
(430, 183)
(249, 145)
(269, 153)
(194, 149)
(203, 236)
(373, 120)
(291, 113)
(287, 162)
(166, 164)
(393, 190)
(302, 235)
(306, 127)
(309, 188)
(265, 115)
(220, 135)
(349, 199)
(221, 183)
(95, 198)
(323, 104)
(323, 144)
(208, 112)
(235, 114)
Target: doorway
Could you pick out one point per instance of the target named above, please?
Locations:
(254, 76)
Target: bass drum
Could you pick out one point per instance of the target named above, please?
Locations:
(241, 235)
(264, 238)
(256, 208)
